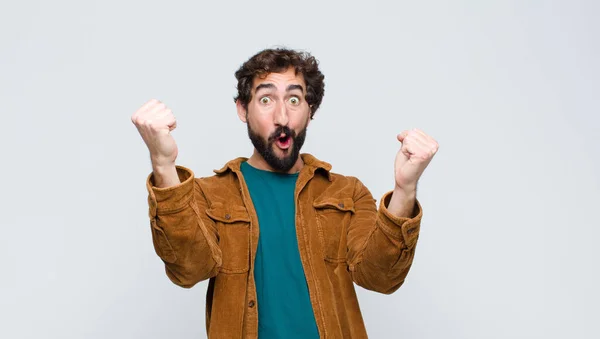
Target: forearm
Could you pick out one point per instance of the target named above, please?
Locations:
(378, 270)
(402, 203)
(165, 175)
(384, 261)
(187, 247)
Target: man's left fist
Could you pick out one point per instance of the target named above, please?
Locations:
(413, 157)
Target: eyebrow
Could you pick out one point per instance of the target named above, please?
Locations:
(271, 86)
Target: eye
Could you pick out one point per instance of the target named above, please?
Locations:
(295, 101)
(265, 100)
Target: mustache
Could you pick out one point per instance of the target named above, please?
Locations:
(282, 130)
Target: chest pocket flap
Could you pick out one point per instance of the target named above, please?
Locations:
(339, 204)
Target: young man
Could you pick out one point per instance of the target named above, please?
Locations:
(281, 237)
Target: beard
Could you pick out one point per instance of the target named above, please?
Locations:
(266, 148)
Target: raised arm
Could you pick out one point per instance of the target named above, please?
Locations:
(381, 244)
(184, 238)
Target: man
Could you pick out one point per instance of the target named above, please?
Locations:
(281, 237)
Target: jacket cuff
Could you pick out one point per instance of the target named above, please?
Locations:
(401, 228)
(170, 199)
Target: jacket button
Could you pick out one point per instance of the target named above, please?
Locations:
(341, 205)
(227, 216)
(251, 303)
(410, 231)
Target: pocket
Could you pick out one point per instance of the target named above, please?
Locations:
(333, 217)
(233, 229)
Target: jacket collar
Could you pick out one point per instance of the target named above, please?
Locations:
(311, 164)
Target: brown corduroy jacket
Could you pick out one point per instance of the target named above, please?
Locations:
(207, 228)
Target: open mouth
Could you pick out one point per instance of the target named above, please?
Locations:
(284, 141)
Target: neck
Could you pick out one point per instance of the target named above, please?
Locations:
(257, 161)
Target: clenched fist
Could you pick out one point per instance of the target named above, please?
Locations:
(413, 157)
(155, 121)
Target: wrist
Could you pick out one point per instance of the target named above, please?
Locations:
(406, 191)
(161, 164)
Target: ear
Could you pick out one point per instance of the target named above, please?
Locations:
(309, 113)
(241, 111)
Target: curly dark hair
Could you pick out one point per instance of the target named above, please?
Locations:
(275, 60)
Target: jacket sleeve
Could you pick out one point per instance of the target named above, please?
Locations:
(183, 236)
(381, 246)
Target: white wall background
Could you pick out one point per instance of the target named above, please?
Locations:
(510, 89)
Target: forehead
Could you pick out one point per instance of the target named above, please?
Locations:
(280, 80)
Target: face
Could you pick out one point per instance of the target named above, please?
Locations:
(277, 117)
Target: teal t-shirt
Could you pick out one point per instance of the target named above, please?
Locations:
(284, 308)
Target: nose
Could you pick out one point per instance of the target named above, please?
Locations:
(281, 117)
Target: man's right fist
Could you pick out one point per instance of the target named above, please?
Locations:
(155, 121)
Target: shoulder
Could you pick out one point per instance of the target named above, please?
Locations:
(215, 182)
(341, 179)
(339, 186)
(220, 188)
